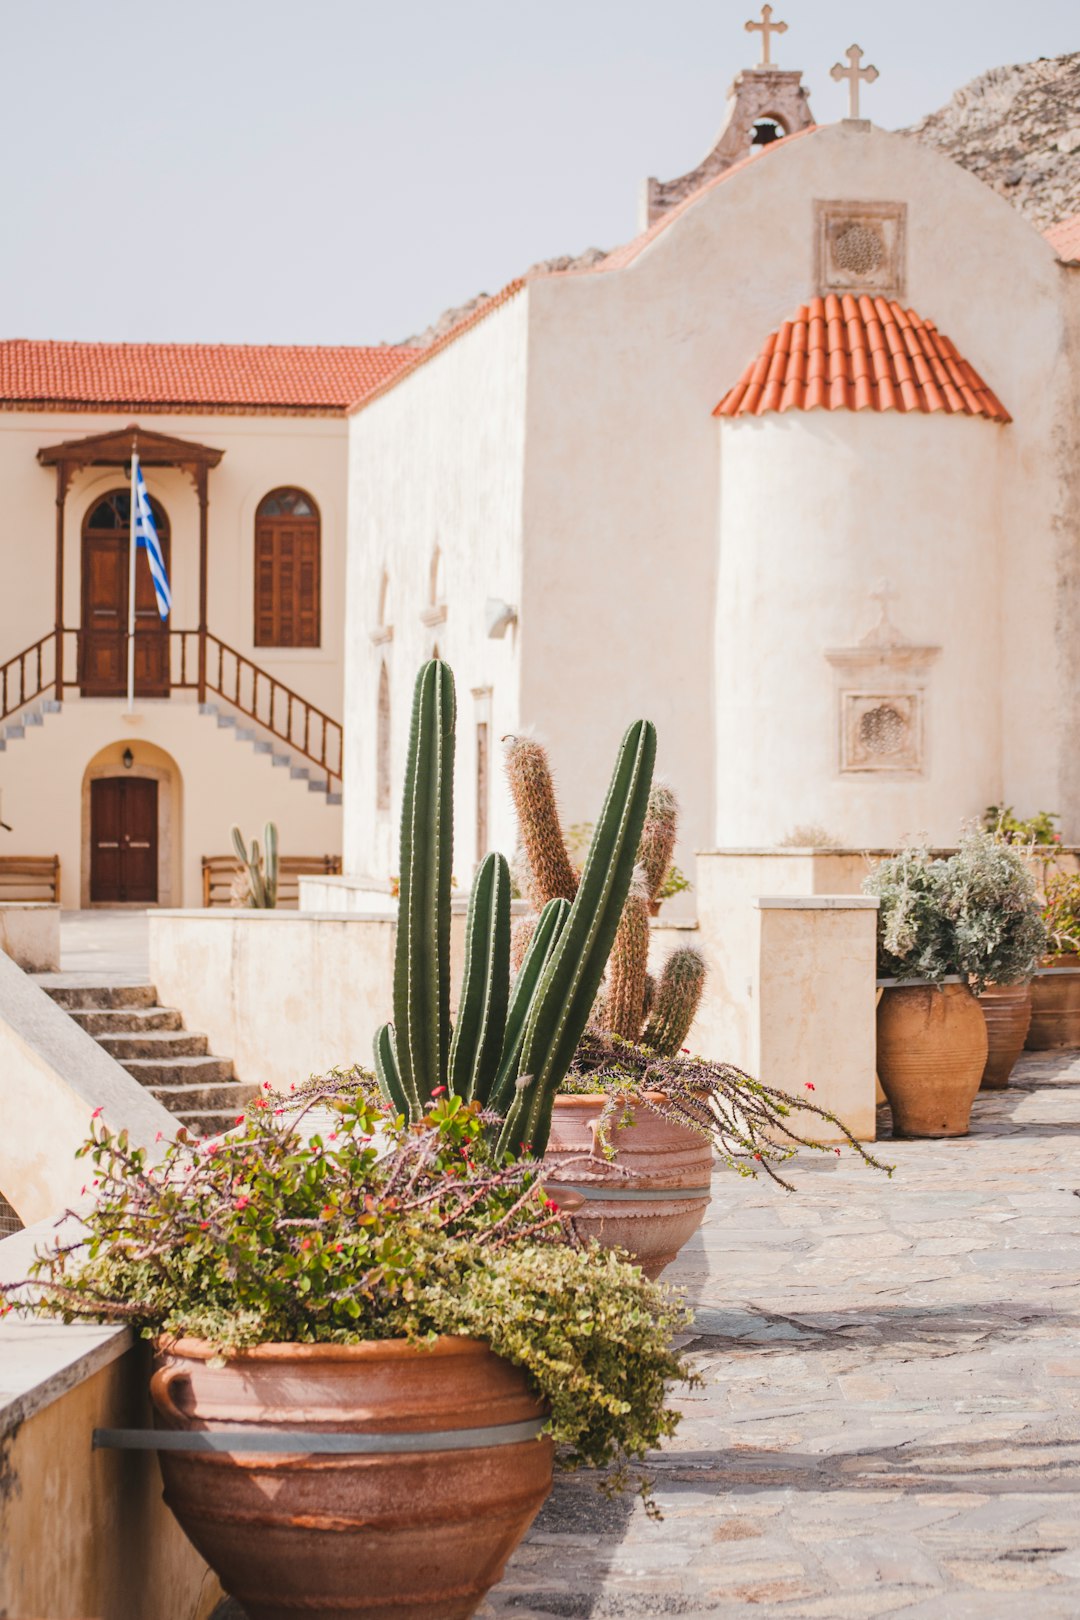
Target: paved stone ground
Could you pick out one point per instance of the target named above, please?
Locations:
(891, 1419)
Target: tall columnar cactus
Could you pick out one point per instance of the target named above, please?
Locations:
(511, 1048)
(632, 1005)
(261, 866)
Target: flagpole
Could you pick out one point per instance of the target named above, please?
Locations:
(131, 588)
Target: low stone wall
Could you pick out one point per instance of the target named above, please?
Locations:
(30, 934)
(284, 994)
(52, 1077)
(83, 1533)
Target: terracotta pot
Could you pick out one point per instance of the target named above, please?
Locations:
(652, 1203)
(370, 1535)
(1007, 1010)
(931, 1046)
(1055, 1005)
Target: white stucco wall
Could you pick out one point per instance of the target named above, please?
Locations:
(436, 463)
(815, 508)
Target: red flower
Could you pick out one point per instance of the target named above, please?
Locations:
(757, 1155)
(306, 1244)
(549, 1203)
(810, 1086)
(157, 1138)
(242, 1202)
(203, 1225)
(439, 1091)
(837, 1152)
(97, 1111)
(239, 1119)
(266, 1085)
(338, 1248)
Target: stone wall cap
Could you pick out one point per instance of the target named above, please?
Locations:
(816, 902)
(246, 914)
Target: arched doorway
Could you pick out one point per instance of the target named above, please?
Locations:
(103, 638)
(131, 826)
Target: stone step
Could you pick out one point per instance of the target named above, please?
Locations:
(188, 1071)
(73, 992)
(207, 1122)
(125, 1020)
(161, 1044)
(229, 1099)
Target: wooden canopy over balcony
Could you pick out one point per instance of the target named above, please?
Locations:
(114, 449)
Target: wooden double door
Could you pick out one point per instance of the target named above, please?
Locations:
(124, 840)
(105, 569)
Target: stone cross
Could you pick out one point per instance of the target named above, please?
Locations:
(853, 73)
(766, 28)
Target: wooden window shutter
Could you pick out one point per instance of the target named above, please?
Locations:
(287, 567)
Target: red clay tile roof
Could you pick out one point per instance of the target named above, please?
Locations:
(1064, 238)
(860, 353)
(188, 376)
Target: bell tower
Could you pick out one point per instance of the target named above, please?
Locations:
(765, 103)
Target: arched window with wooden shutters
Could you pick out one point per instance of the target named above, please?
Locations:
(287, 546)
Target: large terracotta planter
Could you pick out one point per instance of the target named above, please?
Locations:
(650, 1200)
(1055, 1004)
(1007, 1010)
(369, 1535)
(931, 1051)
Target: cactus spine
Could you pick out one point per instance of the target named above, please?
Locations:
(509, 1051)
(632, 1006)
(261, 866)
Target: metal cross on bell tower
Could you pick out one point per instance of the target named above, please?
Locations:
(854, 73)
(766, 28)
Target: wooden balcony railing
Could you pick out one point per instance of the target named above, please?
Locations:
(197, 662)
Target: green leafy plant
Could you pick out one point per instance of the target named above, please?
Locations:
(633, 1005)
(509, 1051)
(1037, 829)
(1061, 913)
(975, 915)
(370, 1229)
(259, 868)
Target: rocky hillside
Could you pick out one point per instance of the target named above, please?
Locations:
(1018, 130)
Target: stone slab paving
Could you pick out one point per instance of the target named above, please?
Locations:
(890, 1423)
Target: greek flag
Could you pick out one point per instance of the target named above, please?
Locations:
(146, 536)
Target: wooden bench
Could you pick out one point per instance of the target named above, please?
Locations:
(218, 872)
(30, 877)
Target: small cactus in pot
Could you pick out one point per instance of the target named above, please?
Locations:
(259, 868)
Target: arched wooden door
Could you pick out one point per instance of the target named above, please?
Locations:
(103, 641)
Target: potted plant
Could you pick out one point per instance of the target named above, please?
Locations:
(636, 1118)
(1055, 989)
(516, 1040)
(946, 929)
(994, 910)
(376, 1335)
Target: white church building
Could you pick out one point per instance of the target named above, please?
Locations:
(795, 473)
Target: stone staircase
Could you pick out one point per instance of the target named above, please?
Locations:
(33, 715)
(249, 731)
(150, 1042)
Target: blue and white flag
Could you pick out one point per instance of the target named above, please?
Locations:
(146, 537)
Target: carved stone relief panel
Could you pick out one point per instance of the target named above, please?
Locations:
(881, 694)
(860, 247)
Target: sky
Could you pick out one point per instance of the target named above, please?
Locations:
(338, 171)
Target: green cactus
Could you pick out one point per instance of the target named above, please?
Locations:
(509, 1052)
(675, 1001)
(261, 866)
(630, 1005)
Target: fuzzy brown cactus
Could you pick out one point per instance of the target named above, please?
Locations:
(631, 1003)
(627, 968)
(676, 1001)
(657, 844)
(551, 875)
(522, 930)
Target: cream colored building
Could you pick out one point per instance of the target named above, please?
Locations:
(794, 473)
(239, 694)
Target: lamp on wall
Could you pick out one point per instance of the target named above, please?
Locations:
(128, 758)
